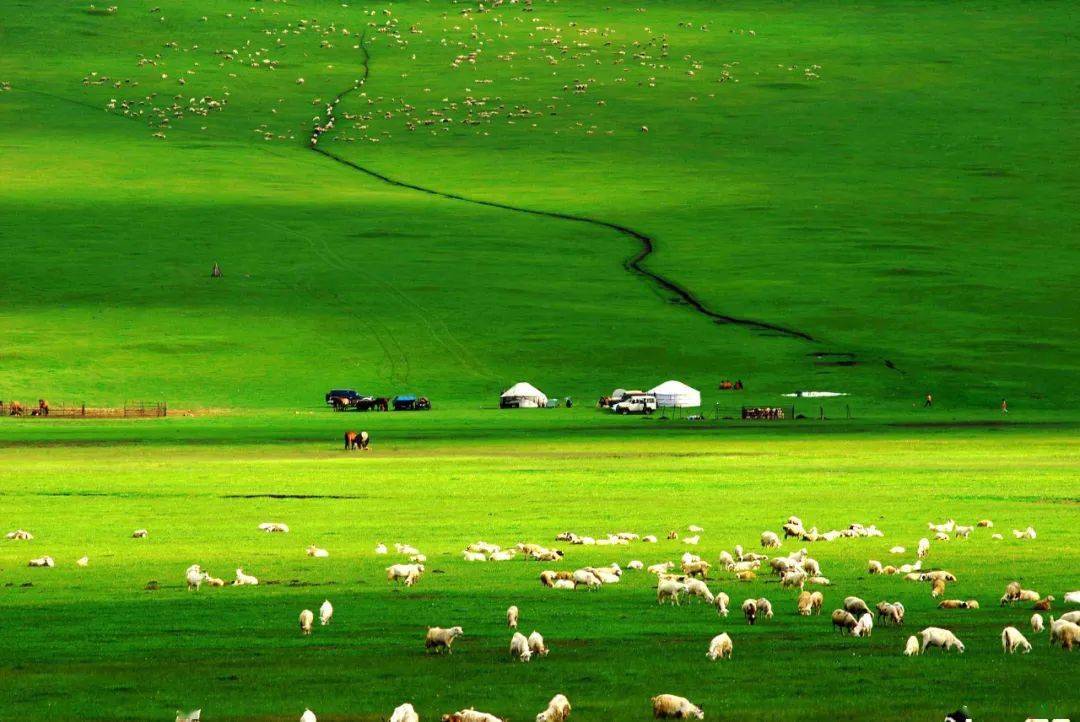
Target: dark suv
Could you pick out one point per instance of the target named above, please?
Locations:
(349, 395)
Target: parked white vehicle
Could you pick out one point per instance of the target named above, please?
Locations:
(635, 404)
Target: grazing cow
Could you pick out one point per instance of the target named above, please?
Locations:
(357, 440)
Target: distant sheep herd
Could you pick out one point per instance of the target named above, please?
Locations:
(676, 584)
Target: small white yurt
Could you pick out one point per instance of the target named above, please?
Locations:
(523, 395)
(676, 394)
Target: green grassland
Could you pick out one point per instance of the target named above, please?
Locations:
(894, 180)
(92, 644)
(887, 178)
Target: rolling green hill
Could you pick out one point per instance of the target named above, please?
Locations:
(887, 179)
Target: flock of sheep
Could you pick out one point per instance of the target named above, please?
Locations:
(690, 579)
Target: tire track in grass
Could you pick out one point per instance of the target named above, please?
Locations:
(634, 264)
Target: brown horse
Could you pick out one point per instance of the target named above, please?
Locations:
(354, 440)
(381, 403)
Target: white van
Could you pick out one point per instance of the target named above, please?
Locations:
(635, 404)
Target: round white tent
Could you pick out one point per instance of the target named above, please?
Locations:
(523, 395)
(676, 394)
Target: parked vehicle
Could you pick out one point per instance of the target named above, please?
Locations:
(348, 395)
(635, 404)
(411, 402)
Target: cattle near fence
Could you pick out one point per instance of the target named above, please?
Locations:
(82, 410)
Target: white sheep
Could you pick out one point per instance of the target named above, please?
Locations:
(721, 600)
(326, 612)
(563, 584)
(503, 555)
(1012, 640)
(536, 644)
(669, 589)
(441, 639)
(308, 716)
(749, 610)
(404, 713)
(409, 573)
(661, 568)
(194, 577)
(692, 540)
(764, 608)
(636, 565)
(897, 550)
(912, 649)
(720, 647)
(42, 562)
(670, 706)
(273, 527)
(83, 561)
(558, 710)
(314, 551)
(1072, 597)
(769, 540)
(698, 588)
(649, 539)
(474, 556)
(512, 617)
(1037, 623)
(519, 647)
(244, 580)
(406, 549)
(924, 548)
(864, 627)
(19, 535)
(381, 549)
(307, 617)
(938, 637)
(140, 534)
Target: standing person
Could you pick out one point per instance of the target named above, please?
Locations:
(929, 401)
(1004, 406)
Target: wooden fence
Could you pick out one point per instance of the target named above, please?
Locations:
(81, 410)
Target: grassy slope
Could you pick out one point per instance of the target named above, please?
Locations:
(874, 206)
(93, 645)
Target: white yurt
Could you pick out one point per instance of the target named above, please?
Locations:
(523, 395)
(676, 394)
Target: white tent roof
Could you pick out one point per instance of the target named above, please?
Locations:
(676, 393)
(524, 390)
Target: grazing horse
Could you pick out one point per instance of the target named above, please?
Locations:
(381, 403)
(354, 440)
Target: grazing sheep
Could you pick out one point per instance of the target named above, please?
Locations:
(694, 529)
(692, 540)
(963, 532)
(42, 562)
(843, 620)
(649, 539)
(1037, 623)
(941, 536)
(474, 556)
(696, 569)
(856, 606)
(769, 540)
(482, 547)
(1043, 605)
(749, 610)
(636, 565)
(1011, 640)
(698, 588)
(1073, 617)
(817, 601)
(764, 607)
(996, 537)
(1072, 598)
(721, 600)
(564, 584)
(519, 647)
(804, 604)
(670, 589)
(720, 647)
(409, 573)
(273, 527)
(19, 535)
(314, 551)
(326, 612)
(558, 710)
(381, 549)
(512, 617)
(957, 604)
(669, 706)
(83, 561)
(140, 534)
(938, 588)
(938, 637)
(912, 649)
(503, 555)
(864, 627)
(1065, 633)
(1028, 595)
(947, 527)
(897, 550)
(891, 613)
(746, 576)
(213, 581)
(874, 567)
(984, 523)
(792, 579)
(586, 578)
(404, 713)
(924, 548)
(307, 617)
(536, 644)
(440, 639)
(406, 549)
(661, 568)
